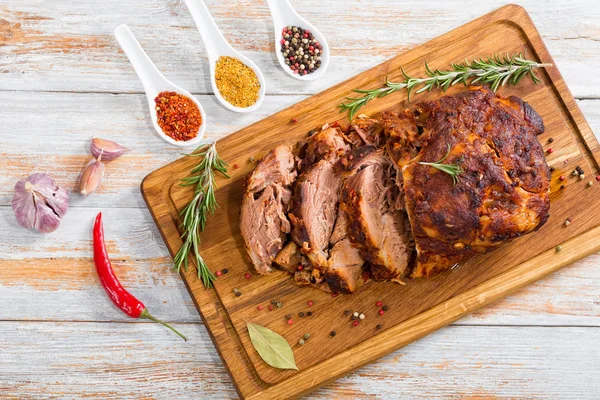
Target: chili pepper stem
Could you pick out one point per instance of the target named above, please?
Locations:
(146, 315)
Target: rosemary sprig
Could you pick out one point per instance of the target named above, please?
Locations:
(494, 70)
(194, 215)
(454, 170)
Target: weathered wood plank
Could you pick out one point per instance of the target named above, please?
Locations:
(49, 143)
(65, 47)
(135, 359)
(34, 286)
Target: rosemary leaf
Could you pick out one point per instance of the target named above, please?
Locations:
(195, 213)
(494, 70)
(454, 170)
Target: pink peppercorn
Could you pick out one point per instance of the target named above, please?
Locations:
(218, 273)
(290, 321)
(294, 120)
(310, 303)
(355, 323)
(334, 295)
(379, 303)
(598, 178)
(236, 166)
(299, 268)
(260, 308)
(550, 151)
(270, 308)
(562, 178)
(381, 312)
(247, 275)
(566, 161)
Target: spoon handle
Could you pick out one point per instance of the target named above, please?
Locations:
(214, 41)
(143, 66)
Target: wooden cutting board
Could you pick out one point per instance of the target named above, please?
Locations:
(419, 307)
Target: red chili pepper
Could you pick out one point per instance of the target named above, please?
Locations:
(119, 296)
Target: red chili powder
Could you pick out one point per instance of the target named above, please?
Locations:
(178, 116)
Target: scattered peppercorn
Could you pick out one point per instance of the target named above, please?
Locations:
(385, 308)
(301, 314)
(238, 294)
(566, 161)
(552, 169)
(562, 178)
(290, 321)
(550, 151)
(247, 275)
(568, 222)
(575, 172)
(270, 308)
(378, 327)
(294, 120)
(301, 342)
(353, 317)
(288, 316)
(598, 178)
(579, 170)
(259, 308)
(235, 290)
(550, 140)
(310, 303)
(381, 312)
(590, 184)
(279, 304)
(362, 316)
(251, 159)
(559, 248)
(300, 50)
(355, 323)
(582, 177)
(237, 83)
(299, 268)
(218, 273)
(309, 313)
(355, 314)
(178, 116)
(562, 186)
(379, 303)
(332, 333)
(225, 270)
(306, 336)
(347, 313)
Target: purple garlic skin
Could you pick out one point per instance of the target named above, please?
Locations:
(109, 149)
(40, 204)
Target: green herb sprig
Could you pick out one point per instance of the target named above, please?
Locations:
(194, 215)
(454, 170)
(493, 70)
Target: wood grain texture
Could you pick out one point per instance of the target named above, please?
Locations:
(63, 80)
(120, 360)
(422, 305)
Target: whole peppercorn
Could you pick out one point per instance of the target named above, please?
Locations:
(301, 314)
(288, 316)
(381, 312)
(218, 273)
(306, 336)
(379, 303)
(598, 178)
(300, 50)
(355, 323)
(290, 321)
(299, 268)
(562, 177)
(309, 313)
(259, 308)
(550, 140)
(332, 333)
(559, 248)
(361, 316)
(385, 308)
(247, 275)
(590, 184)
(568, 222)
(271, 308)
(225, 270)
(310, 303)
(552, 169)
(301, 342)
(550, 151)
(347, 313)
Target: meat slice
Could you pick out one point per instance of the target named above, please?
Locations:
(376, 227)
(290, 257)
(344, 271)
(263, 221)
(503, 191)
(314, 205)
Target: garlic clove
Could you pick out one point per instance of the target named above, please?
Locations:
(109, 149)
(40, 204)
(92, 176)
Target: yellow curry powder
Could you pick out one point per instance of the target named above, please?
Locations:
(237, 83)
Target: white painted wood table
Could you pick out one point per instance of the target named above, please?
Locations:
(63, 80)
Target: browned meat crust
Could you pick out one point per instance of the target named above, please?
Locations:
(503, 192)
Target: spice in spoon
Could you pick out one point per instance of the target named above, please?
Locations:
(236, 82)
(300, 50)
(178, 116)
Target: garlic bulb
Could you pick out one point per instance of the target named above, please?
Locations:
(109, 149)
(39, 203)
(92, 176)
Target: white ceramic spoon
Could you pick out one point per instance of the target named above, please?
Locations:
(283, 14)
(154, 82)
(216, 46)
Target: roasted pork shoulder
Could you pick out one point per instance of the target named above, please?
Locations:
(371, 201)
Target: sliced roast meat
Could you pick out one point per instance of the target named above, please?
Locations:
(264, 224)
(344, 271)
(314, 209)
(376, 226)
(369, 130)
(290, 257)
(277, 167)
(314, 204)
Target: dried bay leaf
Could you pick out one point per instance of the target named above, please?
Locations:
(272, 347)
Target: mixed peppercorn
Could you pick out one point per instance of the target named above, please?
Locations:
(178, 116)
(300, 50)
